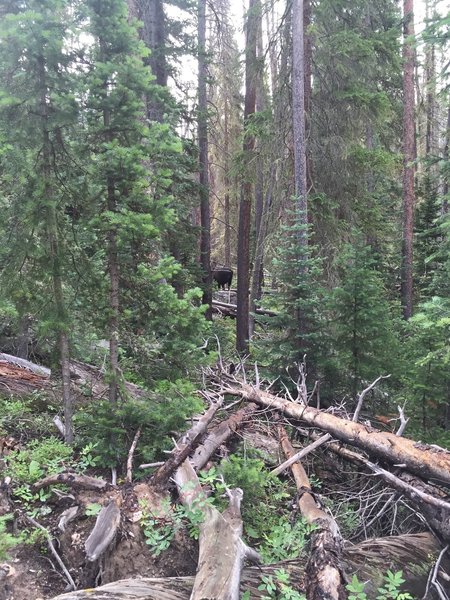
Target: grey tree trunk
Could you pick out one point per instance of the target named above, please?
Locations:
(298, 117)
(205, 234)
(243, 264)
(409, 156)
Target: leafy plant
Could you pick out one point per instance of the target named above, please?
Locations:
(285, 541)
(93, 509)
(278, 587)
(389, 591)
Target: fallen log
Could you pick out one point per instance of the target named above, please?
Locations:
(187, 444)
(230, 309)
(221, 549)
(429, 500)
(426, 461)
(73, 480)
(370, 560)
(325, 577)
(217, 436)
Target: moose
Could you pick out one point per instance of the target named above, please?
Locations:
(223, 276)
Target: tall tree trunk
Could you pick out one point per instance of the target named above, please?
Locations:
(153, 34)
(205, 235)
(227, 182)
(445, 201)
(55, 257)
(243, 262)
(257, 275)
(298, 117)
(408, 160)
(113, 269)
(308, 91)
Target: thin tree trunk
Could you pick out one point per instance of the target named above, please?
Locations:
(445, 201)
(243, 266)
(226, 144)
(256, 280)
(308, 91)
(205, 232)
(298, 116)
(408, 160)
(54, 247)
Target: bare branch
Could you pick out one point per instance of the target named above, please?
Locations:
(363, 394)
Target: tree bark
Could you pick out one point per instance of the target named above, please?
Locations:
(205, 218)
(409, 156)
(298, 117)
(243, 264)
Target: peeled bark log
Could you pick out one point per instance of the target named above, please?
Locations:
(221, 549)
(324, 573)
(426, 461)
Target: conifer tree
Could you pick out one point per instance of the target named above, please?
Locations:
(38, 110)
(362, 329)
(131, 207)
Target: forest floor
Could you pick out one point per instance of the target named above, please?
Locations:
(363, 506)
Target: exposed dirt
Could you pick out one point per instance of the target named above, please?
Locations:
(32, 573)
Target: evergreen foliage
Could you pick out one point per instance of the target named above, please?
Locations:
(363, 335)
(297, 330)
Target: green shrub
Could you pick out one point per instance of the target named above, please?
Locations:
(160, 414)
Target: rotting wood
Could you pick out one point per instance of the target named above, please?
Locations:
(324, 573)
(73, 480)
(423, 460)
(413, 553)
(187, 444)
(104, 532)
(221, 549)
(219, 434)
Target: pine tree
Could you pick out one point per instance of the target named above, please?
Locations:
(362, 329)
(131, 208)
(38, 111)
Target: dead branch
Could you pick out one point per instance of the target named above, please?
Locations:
(67, 575)
(403, 421)
(130, 456)
(363, 394)
(299, 455)
(73, 480)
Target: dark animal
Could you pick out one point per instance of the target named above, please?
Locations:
(223, 276)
